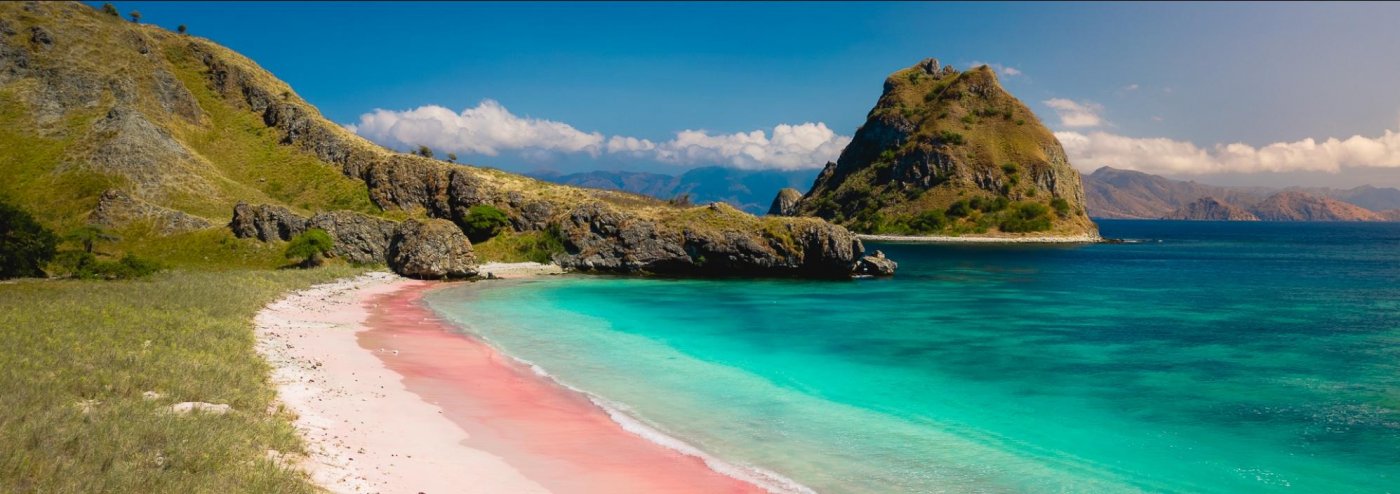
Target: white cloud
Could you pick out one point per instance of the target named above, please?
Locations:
(999, 68)
(487, 129)
(1076, 114)
(1167, 156)
(1130, 88)
(490, 128)
(808, 145)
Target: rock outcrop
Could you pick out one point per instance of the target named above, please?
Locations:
(116, 208)
(876, 265)
(785, 204)
(938, 137)
(1211, 209)
(432, 249)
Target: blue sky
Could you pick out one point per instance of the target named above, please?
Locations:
(1157, 87)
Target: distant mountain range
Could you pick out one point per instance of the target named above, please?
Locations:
(749, 190)
(1114, 193)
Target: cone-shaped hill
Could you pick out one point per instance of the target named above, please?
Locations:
(950, 152)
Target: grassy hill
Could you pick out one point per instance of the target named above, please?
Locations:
(948, 151)
(92, 103)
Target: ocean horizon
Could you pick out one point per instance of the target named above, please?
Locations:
(1195, 357)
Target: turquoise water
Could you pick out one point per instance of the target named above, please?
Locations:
(1209, 357)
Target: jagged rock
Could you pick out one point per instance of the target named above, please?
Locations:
(876, 265)
(359, 238)
(117, 208)
(432, 249)
(785, 204)
(265, 222)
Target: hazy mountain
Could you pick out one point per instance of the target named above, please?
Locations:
(1114, 193)
(749, 190)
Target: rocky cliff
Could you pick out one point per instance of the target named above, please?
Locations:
(947, 151)
(1210, 208)
(179, 123)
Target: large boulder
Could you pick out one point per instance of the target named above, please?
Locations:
(786, 202)
(265, 222)
(431, 249)
(876, 265)
(359, 238)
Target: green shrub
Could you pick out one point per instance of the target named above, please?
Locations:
(484, 221)
(1010, 168)
(959, 209)
(111, 10)
(968, 120)
(89, 236)
(135, 16)
(86, 266)
(1061, 206)
(929, 221)
(310, 247)
(25, 245)
(1026, 217)
(952, 138)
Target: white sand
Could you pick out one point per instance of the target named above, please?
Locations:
(943, 239)
(364, 431)
(513, 270)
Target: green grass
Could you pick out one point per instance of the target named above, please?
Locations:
(186, 335)
(538, 246)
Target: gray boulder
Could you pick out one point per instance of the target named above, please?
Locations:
(786, 202)
(876, 265)
(431, 249)
(265, 222)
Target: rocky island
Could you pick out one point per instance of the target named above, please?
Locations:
(948, 152)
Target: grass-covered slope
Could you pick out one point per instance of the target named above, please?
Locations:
(91, 102)
(947, 151)
(76, 358)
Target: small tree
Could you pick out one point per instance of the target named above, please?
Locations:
(135, 16)
(25, 245)
(484, 221)
(111, 10)
(452, 157)
(310, 247)
(425, 151)
(182, 29)
(90, 235)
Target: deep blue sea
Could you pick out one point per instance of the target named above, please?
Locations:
(1200, 357)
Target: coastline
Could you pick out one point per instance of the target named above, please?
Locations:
(945, 239)
(388, 396)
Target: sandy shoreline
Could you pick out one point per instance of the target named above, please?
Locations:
(943, 239)
(391, 399)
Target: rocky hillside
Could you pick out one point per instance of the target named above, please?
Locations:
(1211, 209)
(160, 135)
(748, 190)
(1298, 206)
(950, 152)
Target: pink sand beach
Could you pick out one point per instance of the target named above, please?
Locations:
(392, 399)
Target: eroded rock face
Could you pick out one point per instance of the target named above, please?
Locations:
(117, 208)
(786, 202)
(432, 249)
(599, 237)
(358, 238)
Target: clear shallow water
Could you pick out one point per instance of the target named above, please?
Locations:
(1210, 357)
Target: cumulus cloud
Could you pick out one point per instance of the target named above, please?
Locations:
(999, 68)
(1168, 156)
(1076, 114)
(490, 128)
